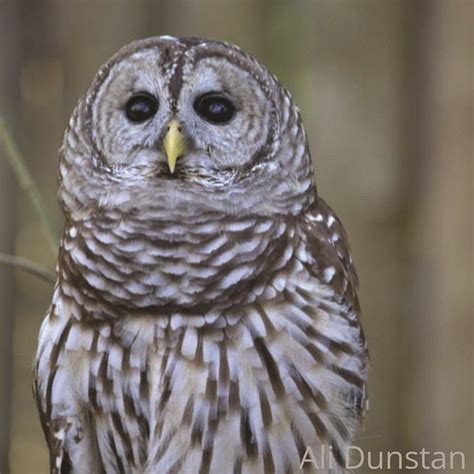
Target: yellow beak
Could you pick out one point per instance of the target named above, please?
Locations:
(174, 143)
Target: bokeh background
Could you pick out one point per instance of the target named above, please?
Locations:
(386, 91)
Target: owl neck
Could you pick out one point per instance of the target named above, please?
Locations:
(114, 265)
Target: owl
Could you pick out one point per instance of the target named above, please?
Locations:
(205, 316)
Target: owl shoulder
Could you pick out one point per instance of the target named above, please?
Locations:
(328, 251)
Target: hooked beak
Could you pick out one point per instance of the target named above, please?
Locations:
(174, 144)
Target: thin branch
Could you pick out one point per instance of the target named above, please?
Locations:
(27, 183)
(27, 266)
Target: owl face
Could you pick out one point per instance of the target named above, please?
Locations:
(221, 112)
(189, 115)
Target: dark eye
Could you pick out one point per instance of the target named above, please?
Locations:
(214, 108)
(141, 107)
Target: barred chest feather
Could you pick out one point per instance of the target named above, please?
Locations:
(244, 387)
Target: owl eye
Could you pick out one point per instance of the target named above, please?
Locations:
(214, 108)
(141, 107)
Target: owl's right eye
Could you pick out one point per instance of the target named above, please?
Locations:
(141, 107)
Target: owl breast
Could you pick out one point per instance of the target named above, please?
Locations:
(248, 390)
(144, 265)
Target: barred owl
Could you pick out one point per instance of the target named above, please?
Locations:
(205, 316)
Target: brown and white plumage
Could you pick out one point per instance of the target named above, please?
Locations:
(204, 320)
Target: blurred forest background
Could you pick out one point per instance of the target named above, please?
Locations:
(386, 91)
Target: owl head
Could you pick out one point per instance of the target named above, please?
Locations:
(185, 125)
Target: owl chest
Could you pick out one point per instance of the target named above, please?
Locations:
(155, 402)
(200, 399)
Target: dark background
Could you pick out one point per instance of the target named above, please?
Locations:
(385, 88)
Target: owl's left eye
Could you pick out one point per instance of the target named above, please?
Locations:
(215, 108)
(141, 107)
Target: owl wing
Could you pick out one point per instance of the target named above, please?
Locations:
(41, 410)
(59, 459)
(54, 427)
(328, 244)
(330, 262)
(66, 423)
